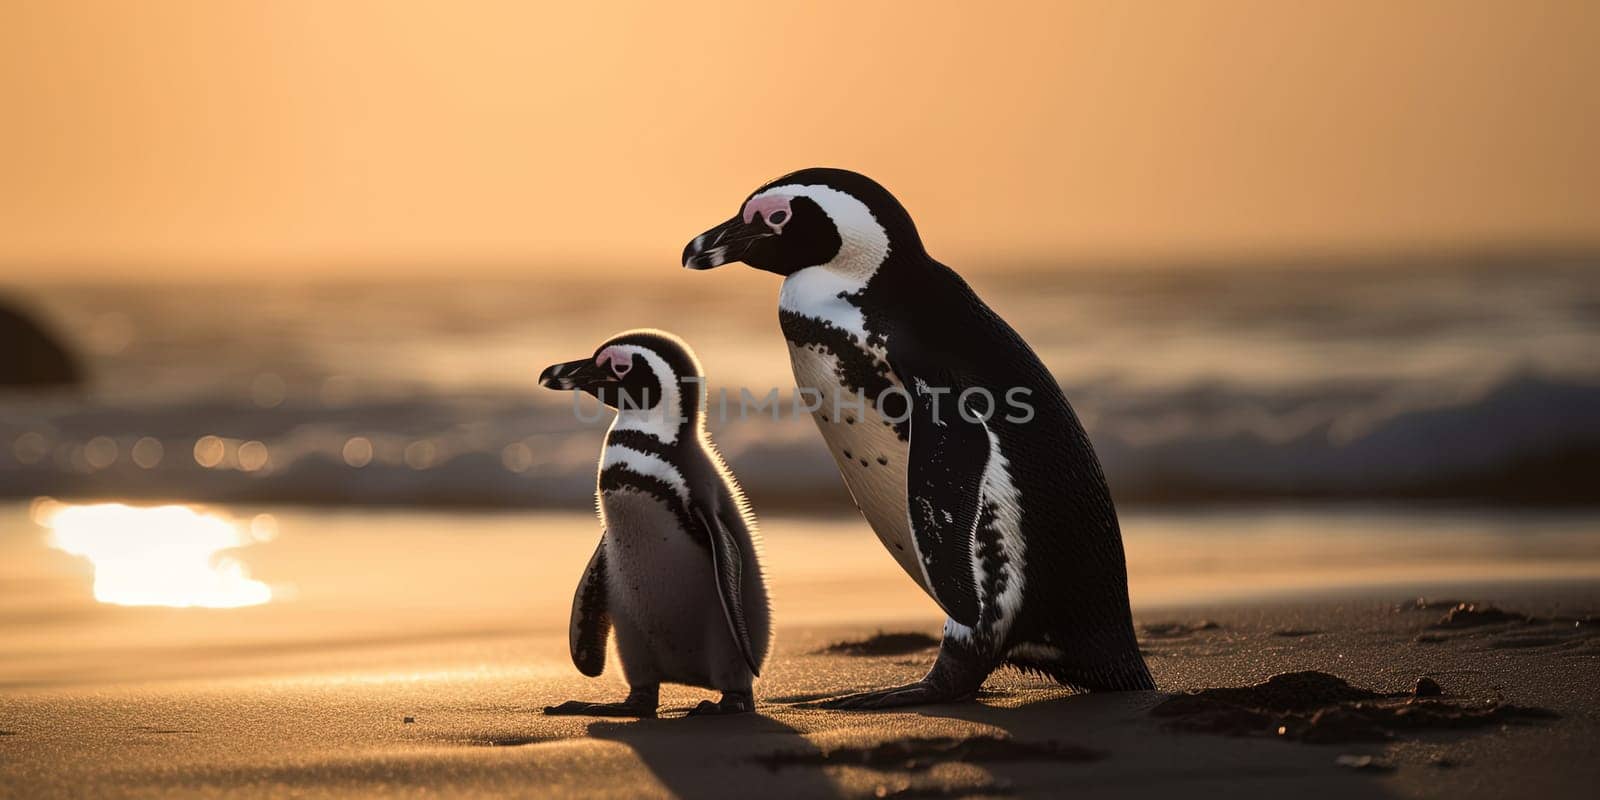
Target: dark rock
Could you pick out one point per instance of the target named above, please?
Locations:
(30, 357)
(1427, 687)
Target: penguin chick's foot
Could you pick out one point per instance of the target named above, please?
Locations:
(640, 703)
(923, 692)
(731, 703)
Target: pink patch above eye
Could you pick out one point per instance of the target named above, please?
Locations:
(618, 361)
(767, 205)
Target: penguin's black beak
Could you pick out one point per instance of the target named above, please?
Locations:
(582, 374)
(725, 243)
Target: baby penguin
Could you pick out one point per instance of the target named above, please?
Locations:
(676, 573)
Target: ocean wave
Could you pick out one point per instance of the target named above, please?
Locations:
(1525, 438)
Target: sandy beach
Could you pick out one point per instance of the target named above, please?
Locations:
(311, 315)
(412, 654)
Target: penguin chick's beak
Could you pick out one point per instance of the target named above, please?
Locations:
(580, 374)
(724, 243)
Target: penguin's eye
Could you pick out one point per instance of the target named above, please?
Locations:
(778, 217)
(620, 367)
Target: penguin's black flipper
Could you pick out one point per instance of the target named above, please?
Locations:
(943, 494)
(728, 564)
(591, 619)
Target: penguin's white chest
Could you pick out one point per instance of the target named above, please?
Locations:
(871, 457)
(664, 605)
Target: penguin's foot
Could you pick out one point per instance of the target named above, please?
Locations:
(641, 702)
(921, 693)
(731, 703)
(957, 674)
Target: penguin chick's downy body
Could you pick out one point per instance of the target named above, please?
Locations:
(954, 440)
(677, 572)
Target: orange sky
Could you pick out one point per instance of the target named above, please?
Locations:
(248, 138)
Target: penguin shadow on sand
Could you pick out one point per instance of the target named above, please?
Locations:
(1109, 741)
(1054, 714)
(676, 751)
(1027, 742)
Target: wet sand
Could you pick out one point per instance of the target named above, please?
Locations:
(415, 660)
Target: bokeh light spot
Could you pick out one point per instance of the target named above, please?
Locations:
(263, 527)
(268, 390)
(357, 451)
(100, 452)
(209, 451)
(253, 456)
(147, 452)
(30, 447)
(421, 454)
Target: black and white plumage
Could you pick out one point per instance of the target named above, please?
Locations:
(677, 573)
(1006, 522)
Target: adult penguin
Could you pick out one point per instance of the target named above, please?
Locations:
(956, 443)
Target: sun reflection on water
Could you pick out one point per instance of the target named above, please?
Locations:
(160, 556)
